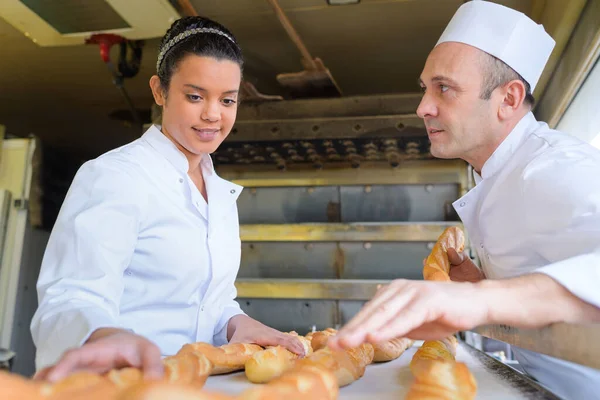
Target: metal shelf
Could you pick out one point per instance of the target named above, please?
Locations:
(335, 232)
(322, 289)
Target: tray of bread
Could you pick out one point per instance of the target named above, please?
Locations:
(397, 369)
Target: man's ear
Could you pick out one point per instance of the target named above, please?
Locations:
(514, 95)
(157, 91)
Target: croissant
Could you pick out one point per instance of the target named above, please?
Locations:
(270, 363)
(226, 358)
(437, 265)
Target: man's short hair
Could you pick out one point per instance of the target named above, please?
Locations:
(496, 73)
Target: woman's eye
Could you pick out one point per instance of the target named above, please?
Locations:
(423, 89)
(443, 88)
(194, 97)
(228, 102)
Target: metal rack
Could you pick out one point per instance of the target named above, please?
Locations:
(341, 195)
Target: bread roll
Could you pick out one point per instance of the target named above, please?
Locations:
(226, 358)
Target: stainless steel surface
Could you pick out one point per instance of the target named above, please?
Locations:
(288, 205)
(569, 342)
(397, 202)
(329, 260)
(326, 289)
(292, 315)
(358, 232)
(371, 173)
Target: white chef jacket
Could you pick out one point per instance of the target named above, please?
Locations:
(536, 207)
(136, 246)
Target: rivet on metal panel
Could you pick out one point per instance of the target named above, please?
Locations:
(309, 246)
(253, 190)
(310, 190)
(357, 127)
(274, 130)
(428, 188)
(367, 245)
(368, 189)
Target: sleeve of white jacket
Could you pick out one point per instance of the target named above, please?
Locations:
(562, 204)
(80, 283)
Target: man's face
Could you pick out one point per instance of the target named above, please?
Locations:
(458, 122)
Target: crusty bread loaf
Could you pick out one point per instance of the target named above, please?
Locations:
(390, 350)
(227, 358)
(265, 365)
(437, 265)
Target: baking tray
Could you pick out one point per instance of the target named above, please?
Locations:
(392, 380)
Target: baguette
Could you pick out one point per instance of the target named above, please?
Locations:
(442, 380)
(437, 265)
(265, 365)
(318, 339)
(390, 350)
(437, 374)
(225, 359)
(303, 381)
(17, 387)
(80, 386)
(346, 365)
(167, 391)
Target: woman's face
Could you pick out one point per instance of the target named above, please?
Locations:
(200, 106)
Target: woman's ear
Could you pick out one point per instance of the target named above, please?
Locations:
(157, 90)
(514, 96)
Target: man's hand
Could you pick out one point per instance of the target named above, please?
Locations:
(462, 269)
(243, 329)
(108, 348)
(416, 310)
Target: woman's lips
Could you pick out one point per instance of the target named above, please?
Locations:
(206, 135)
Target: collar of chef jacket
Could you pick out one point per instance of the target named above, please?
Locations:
(225, 193)
(507, 148)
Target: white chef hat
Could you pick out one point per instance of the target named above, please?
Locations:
(506, 34)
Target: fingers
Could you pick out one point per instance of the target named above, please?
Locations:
(373, 320)
(404, 321)
(454, 257)
(290, 342)
(42, 374)
(70, 362)
(380, 298)
(152, 365)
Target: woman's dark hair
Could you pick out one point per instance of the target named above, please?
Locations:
(221, 45)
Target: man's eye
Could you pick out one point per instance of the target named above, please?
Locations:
(423, 89)
(443, 88)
